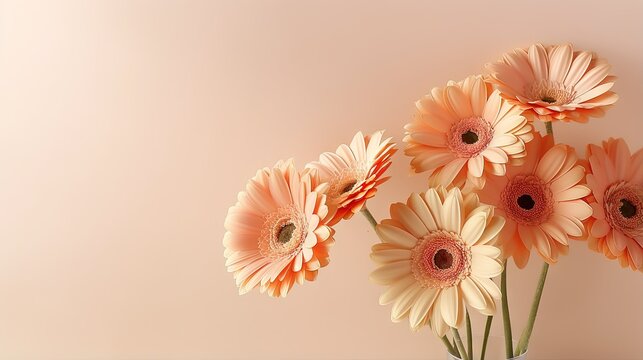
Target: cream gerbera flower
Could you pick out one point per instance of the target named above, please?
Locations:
(616, 179)
(555, 82)
(277, 234)
(542, 201)
(465, 130)
(437, 255)
(354, 172)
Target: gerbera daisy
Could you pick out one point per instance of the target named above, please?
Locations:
(437, 254)
(542, 201)
(354, 172)
(465, 123)
(555, 82)
(277, 233)
(616, 180)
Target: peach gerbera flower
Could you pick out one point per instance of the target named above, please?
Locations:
(616, 180)
(465, 123)
(354, 172)
(555, 82)
(437, 254)
(277, 233)
(542, 201)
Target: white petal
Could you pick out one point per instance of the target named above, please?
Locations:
(474, 227)
(486, 250)
(452, 214)
(420, 309)
(492, 230)
(472, 294)
(387, 274)
(391, 255)
(490, 286)
(394, 235)
(438, 325)
(476, 165)
(434, 202)
(403, 304)
(417, 204)
(449, 306)
(394, 291)
(403, 214)
(484, 266)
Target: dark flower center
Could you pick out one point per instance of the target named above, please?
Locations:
(627, 209)
(443, 259)
(526, 202)
(285, 233)
(470, 137)
(349, 187)
(548, 99)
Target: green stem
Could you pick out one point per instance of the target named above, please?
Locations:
(458, 343)
(506, 320)
(369, 216)
(549, 127)
(457, 352)
(485, 338)
(469, 336)
(523, 344)
(447, 343)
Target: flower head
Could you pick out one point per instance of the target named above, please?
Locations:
(616, 179)
(277, 233)
(354, 172)
(542, 201)
(438, 254)
(464, 131)
(555, 82)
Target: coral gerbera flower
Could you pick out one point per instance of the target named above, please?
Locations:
(277, 233)
(555, 82)
(542, 201)
(437, 254)
(354, 172)
(465, 123)
(616, 180)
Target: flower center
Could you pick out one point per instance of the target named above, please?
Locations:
(550, 92)
(627, 209)
(548, 99)
(348, 187)
(283, 233)
(527, 200)
(621, 203)
(342, 184)
(440, 259)
(470, 136)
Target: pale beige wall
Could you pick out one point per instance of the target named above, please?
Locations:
(127, 128)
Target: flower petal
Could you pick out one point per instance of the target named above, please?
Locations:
(484, 266)
(394, 235)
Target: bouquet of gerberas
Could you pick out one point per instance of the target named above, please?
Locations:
(497, 190)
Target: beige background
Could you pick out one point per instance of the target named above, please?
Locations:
(128, 127)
